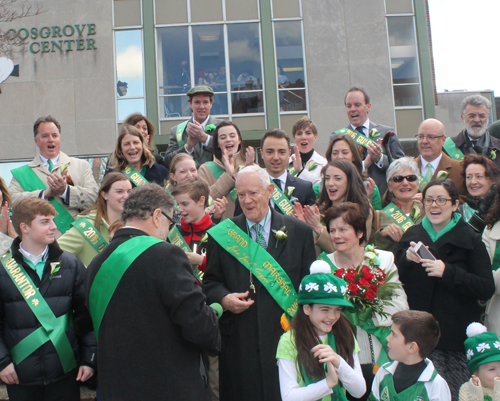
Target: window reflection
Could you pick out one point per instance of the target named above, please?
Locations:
(129, 64)
(290, 65)
(130, 106)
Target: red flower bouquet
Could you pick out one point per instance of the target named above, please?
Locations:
(368, 288)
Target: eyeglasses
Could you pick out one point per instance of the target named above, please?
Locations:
(171, 222)
(431, 138)
(401, 178)
(439, 201)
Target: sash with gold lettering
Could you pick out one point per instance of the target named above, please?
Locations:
(134, 176)
(422, 183)
(358, 137)
(52, 328)
(176, 238)
(28, 179)
(258, 261)
(282, 201)
(217, 171)
(452, 149)
(91, 234)
(398, 217)
(292, 170)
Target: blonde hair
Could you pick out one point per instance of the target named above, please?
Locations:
(118, 159)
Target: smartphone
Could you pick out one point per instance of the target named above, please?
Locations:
(422, 252)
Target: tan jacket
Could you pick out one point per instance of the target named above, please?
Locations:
(223, 185)
(452, 167)
(82, 194)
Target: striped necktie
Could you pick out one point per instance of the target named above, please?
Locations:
(258, 237)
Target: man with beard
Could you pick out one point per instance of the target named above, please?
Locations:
(475, 137)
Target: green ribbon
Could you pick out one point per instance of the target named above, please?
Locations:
(422, 183)
(217, 171)
(53, 329)
(90, 233)
(259, 262)
(358, 137)
(28, 179)
(134, 176)
(177, 239)
(452, 150)
(398, 216)
(282, 201)
(109, 275)
(178, 133)
(338, 393)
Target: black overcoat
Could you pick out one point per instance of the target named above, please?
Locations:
(248, 366)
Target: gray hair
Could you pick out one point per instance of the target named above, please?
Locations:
(475, 100)
(263, 175)
(405, 163)
(144, 200)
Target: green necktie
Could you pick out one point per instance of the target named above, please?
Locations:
(51, 165)
(259, 235)
(428, 175)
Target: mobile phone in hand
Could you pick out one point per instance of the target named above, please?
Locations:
(422, 252)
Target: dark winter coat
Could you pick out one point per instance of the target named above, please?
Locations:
(247, 364)
(64, 294)
(454, 298)
(155, 327)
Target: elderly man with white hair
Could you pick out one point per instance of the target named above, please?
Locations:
(255, 263)
(474, 138)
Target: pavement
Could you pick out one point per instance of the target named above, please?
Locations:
(85, 394)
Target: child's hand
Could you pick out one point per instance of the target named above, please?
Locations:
(325, 354)
(331, 378)
(194, 258)
(475, 381)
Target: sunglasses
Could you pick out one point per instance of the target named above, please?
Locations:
(401, 178)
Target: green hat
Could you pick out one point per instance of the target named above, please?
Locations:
(200, 90)
(482, 346)
(322, 287)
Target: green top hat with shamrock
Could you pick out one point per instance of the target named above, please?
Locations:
(481, 347)
(322, 287)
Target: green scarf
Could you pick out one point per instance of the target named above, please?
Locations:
(430, 229)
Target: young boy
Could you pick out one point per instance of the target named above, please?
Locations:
(191, 195)
(41, 295)
(411, 377)
(483, 360)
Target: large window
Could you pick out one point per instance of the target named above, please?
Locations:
(129, 73)
(226, 57)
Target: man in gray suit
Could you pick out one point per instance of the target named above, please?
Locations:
(195, 135)
(357, 105)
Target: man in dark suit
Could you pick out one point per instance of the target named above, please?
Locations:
(475, 137)
(250, 327)
(195, 135)
(357, 105)
(156, 322)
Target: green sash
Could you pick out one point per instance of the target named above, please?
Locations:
(28, 179)
(178, 133)
(325, 257)
(176, 238)
(452, 149)
(52, 328)
(292, 170)
(358, 137)
(282, 201)
(259, 262)
(134, 176)
(422, 183)
(109, 275)
(397, 216)
(496, 258)
(217, 171)
(91, 234)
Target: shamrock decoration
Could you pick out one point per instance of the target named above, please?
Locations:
(415, 212)
(204, 238)
(210, 128)
(493, 154)
(312, 286)
(483, 347)
(289, 191)
(470, 354)
(329, 288)
(442, 174)
(280, 234)
(313, 166)
(374, 133)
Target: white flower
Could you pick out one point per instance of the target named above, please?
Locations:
(483, 347)
(329, 287)
(497, 344)
(470, 354)
(370, 255)
(343, 289)
(442, 174)
(312, 286)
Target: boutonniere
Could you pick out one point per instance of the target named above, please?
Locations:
(64, 166)
(374, 133)
(204, 238)
(280, 234)
(414, 212)
(289, 191)
(210, 201)
(313, 166)
(54, 269)
(210, 127)
(442, 174)
(493, 154)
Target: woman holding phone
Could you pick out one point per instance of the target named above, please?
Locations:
(451, 284)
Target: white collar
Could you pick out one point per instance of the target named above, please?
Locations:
(55, 160)
(365, 125)
(425, 376)
(266, 219)
(34, 258)
(434, 163)
(282, 178)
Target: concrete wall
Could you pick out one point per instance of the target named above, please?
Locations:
(346, 45)
(77, 87)
(448, 109)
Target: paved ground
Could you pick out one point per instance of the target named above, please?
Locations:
(86, 394)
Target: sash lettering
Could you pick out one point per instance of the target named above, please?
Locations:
(398, 217)
(90, 233)
(282, 201)
(134, 176)
(176, 239)
(358, 137)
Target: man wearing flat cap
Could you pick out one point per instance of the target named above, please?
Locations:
(194, 136)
